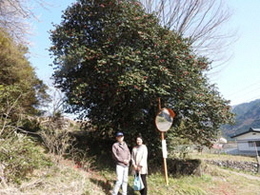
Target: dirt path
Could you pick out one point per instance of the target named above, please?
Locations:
(243, 174)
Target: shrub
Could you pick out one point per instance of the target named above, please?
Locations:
(180, 167)
(19, 156)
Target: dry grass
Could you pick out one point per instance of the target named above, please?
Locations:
(67, 179)
(57, 180)
(230, 182)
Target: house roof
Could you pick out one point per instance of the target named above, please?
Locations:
(256, 130)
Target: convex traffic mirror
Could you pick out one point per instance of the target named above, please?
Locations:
(164, 119)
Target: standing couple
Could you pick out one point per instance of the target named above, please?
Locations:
(122, 156)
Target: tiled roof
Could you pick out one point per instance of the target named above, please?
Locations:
(257, 130)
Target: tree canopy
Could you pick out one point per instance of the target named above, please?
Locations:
(20, 89)
(113, 61)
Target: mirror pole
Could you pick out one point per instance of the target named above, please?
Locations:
(159, 104)
(164, 151)
(164, 147)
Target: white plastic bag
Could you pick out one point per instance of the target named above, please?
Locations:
(138, 183)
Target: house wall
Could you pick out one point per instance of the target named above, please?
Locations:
(244, 142)
(250, 135)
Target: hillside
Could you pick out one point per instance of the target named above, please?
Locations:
(247, 115)
(67, 178)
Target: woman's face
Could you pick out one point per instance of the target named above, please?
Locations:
(139, 141)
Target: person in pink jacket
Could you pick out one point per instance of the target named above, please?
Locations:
(121, 155)
(139, 161)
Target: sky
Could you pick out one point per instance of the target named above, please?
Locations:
(238, 79)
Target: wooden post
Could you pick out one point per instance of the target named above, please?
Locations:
(164, 148)
(164, 151)
(159, 104)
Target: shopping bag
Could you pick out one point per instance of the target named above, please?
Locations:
(138, 183)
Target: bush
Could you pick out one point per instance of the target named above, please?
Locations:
(19, 156)
(180, 167)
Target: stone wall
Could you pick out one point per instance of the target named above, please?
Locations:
(236, 165)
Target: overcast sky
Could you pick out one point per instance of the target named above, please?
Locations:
(238, 79)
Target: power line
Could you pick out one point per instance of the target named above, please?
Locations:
(245, 89)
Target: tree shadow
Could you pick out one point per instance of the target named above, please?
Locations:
(107, 186)
(130, 190)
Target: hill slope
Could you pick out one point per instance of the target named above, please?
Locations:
(67, 179)
(247, 115)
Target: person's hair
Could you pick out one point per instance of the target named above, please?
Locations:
(139, 136)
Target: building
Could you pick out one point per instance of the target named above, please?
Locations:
(248, 141)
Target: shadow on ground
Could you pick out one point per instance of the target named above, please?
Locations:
(107, 186)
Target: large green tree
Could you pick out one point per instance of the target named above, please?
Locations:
(20, 89)
(113, 61)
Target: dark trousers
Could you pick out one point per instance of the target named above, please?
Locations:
(144, 191)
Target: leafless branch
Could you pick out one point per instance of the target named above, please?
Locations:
(15, 16)
(201, 21)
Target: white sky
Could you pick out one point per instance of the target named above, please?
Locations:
(238, 80)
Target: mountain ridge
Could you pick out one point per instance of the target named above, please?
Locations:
(246, 115)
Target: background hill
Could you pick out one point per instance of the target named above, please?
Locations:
(247, 115)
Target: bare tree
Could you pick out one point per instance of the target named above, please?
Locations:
(15, 16)
(201, 21)
(55, 107)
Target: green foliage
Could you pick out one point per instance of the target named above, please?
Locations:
(180, 167)
(113, 61)
(179, 147)
(19, 158)
(30, 124)
(19, 83)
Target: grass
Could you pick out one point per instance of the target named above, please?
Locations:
(214, 181)
(66, 179)
(212, 156)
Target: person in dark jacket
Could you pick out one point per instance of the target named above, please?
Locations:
(121, 155)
